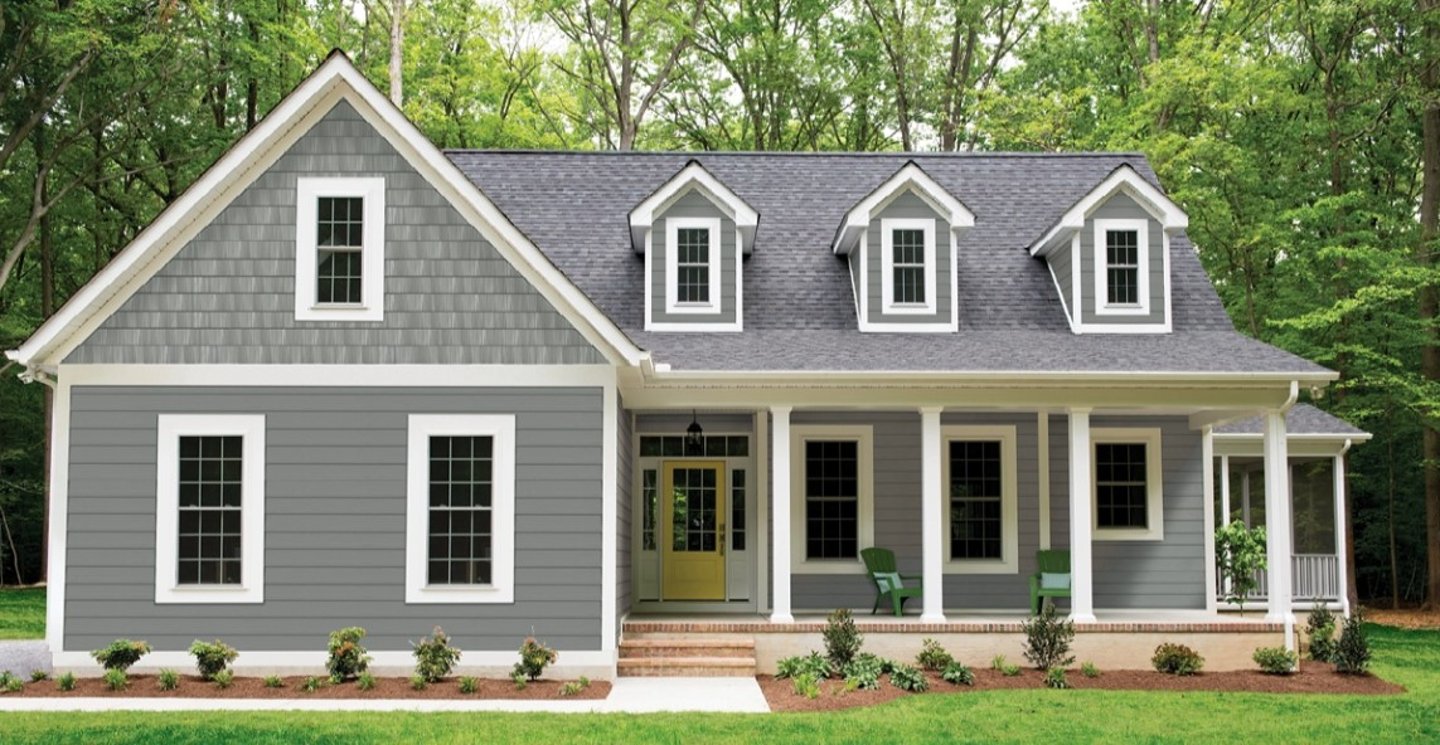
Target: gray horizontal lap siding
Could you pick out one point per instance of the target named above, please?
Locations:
(908, 205)
(335, 519)
(228, 296)
(692, 204)
(1121, 206)
(1061, 267)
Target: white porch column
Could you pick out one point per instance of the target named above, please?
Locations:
(1082, 604)
(1207, 480)
(932, 517)
(1342, 561)
(780, 510)
(1277, 521)
(1224, 490)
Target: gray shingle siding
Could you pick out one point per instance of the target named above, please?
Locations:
(906, 206)
(693, 204)
(1122, 207)
(335, 519)
(228, 296)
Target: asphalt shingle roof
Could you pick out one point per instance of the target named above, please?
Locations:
(799, 308)
(1302, 419)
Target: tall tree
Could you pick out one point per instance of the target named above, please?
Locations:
(1430, 293)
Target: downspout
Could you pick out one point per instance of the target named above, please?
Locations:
(1342, 530)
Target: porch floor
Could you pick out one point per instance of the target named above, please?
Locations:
(1003, 621)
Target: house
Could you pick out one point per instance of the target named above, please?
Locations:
(643, 403)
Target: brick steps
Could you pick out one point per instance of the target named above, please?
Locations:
(689, 657)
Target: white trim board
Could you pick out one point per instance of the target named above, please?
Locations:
(694, 176)
(864, 436)
(910, 177)
(1126, 180)
(308, 192)
(1005, 434)
(1103, 228)
(408, 376)
(715, 281)
(1154, 483)
(888, 304)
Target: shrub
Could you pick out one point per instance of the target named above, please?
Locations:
(435, 657)
(1177, 659)
(998, 662)
(1239, 554)
(115, 679)
(224, 679)
(518, 678)
(120, 654)
(933, 656)
(908, 678)
(212, 657)
(11, 684)
(575, 686)
(168, 680)
(807, 686)
(1009, 669)
(312, 684)
(1352, 652)
(1055, 678)
(1047, 640)
(365, 681)
(1275, 660)
(347, 658)
(864, 671)
(418, 682)
(812, 664)
(1320, 630)
(66, 682)
(38, 675)
(534, 658)
(467, 684)
(1089, 670)
(957, 674)
(274, 681)
(842, 639)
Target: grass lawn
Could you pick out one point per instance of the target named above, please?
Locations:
(22, 613)
(1411, 658)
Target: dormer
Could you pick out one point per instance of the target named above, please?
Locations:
(694, 233)
(900, 241)
(1110, 256)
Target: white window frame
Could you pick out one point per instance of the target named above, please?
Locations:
(308, 192)
(1154, 484)
(888, 226)
(422, 427)
(169, 429)
(864, 435)
(673, 226)
(1009, 562)
(1141, 229)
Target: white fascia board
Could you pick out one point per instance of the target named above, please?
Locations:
(642, 218)
(1125, 179)
(993, 377)
(373, 376)
(336, 78)
(910, 176)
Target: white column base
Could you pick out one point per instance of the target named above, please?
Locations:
(781, 618)
(1083, 617)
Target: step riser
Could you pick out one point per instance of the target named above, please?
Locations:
(687, 672)
(646, 652)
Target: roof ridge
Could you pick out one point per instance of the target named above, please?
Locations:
(697, 154)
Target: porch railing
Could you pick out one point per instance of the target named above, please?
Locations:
(1314, 576)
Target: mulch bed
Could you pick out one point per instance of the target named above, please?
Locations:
(1312, 678)
(192, 686)
(1405, 618)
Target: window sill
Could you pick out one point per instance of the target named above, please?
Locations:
(340, 312)
(909, 309)
(693, 308)
(827, 566)
(981, 566)
(478, 594)
(1127, 534)
(1127, 309)
(203, 594)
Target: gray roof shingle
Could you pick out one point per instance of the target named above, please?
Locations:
(799, 306)
(1302, 419)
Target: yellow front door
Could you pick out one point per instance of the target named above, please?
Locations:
(693, 530)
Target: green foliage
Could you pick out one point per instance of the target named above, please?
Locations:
(418, 682)
(365, 681)
(223, 679)
(167, 680)
(1089, 670)
(908, 678)
(435, 657)
(1177, 659)
(957, 674)
(22, 611)
(212, 657)
(933, 656)
(1320, 630)
(998, 662)
(1047, 639)
(863, 672)
(1055, 678)
(1239, 554)
(842, 638)
(1352, 652)
(813, 664)
(347, 657)
(1009, 670)
(115, 679)
(38, 675)
(467, 684)
(518, 678)
(806, 685)
(274, 681)
(120, 654)
(312, 684)
(10, 683)
(66, 682)
(1276, 660)
(534, 658)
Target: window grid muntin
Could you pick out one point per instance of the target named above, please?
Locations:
(976, 499)
(692, 265)
(650, 499)
(737, 509)
(1121, 485)
(460, 535)
(210, 491)
(694, 518)
(907, 246)
(832, 499)
(1122, 267)
(711, 446)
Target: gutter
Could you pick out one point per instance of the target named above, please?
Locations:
(661, 373)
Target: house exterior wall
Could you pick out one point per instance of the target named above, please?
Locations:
(692, 204)
(908, 205)
(228, 296)
(335, 519)
(1121, 206)
(1061, 267)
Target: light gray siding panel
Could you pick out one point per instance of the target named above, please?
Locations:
(1121, 206)
(693, 204)
(335, 519)
(1060, 268)
(228, 296)
(908, 205)
(624, 509)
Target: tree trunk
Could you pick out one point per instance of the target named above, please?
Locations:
(397, 50)
(1394, 560)
(47, 308)
(1430, 295)
(252, 86)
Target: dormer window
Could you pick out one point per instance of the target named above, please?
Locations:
(908, 252)
(695, 265)
(1122, 281)
(340, 249)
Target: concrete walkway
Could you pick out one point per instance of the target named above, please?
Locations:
(629, 695)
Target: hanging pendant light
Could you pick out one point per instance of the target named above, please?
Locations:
(694, 434)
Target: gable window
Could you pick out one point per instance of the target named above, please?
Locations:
(979, 473)
(460, 509)
(339, 249)
(692, 265)
(833, 509)
(210, 509)
(1128, 493)
(1122, 276)
(907, 256)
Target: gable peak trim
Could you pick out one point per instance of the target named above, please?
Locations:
(693, 177)
(910, 177)
(1123, 180)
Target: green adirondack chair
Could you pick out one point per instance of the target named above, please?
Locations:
(1052, 578)
(889, 582)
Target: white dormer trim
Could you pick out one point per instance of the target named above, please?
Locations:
(1103, 307)
(910, 177)
(888, 305)
(693, 176)
(714, 305)
(1124, 179)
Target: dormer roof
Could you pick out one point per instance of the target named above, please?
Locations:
(693, 176)
(911, 177)
(1123, 180)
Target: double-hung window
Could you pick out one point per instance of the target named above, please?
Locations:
(832, 514)
(907, 251)
(1122, 277)
(460, 514)
(1128, 493)
(692, 265)
(339, 249)
(979, 473)
(210, 509)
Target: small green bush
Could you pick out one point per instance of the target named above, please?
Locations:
(806, 685)
(534, 658)
(518, 678)
(312, 684)
(575, 686)
(1177, 659)
(115, 679)
(38, 675)
(347, 657)
(120, 654)
(933, 656)
(1055, 678)
(1047, 640)
(842, 638)
(10, 683)
(864, 671)
(908, 678)
(66, 682)
(998, 662)
(1320, 630)
(274, 681)
(1275, 660)
(223, 679)
(168, 680)
(418, 682)
(957, 674)
(1352, 652)
(813, 664)
(467, 684)
(365, 681)
(1010, 670)
(212, 657)
(435, 656)
(1089, 670)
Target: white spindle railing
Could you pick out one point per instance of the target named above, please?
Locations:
(1314, 577)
